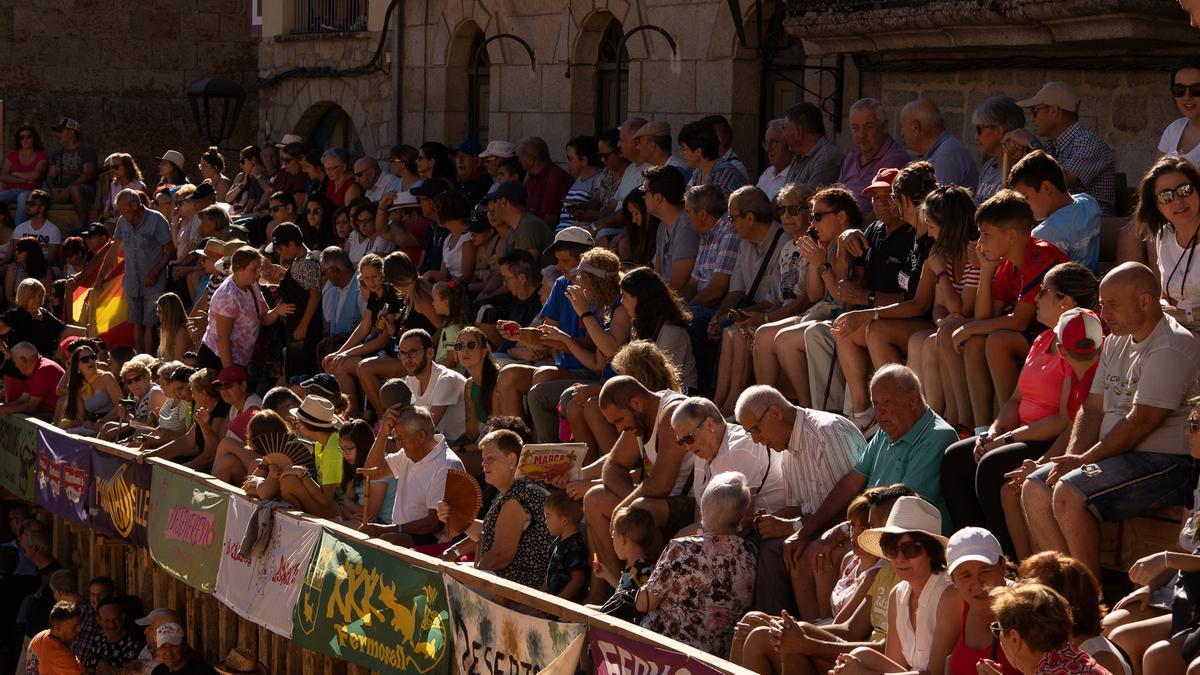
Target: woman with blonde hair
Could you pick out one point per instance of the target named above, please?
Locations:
(174, 338)
(125, 175)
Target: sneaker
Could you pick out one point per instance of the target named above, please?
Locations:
(865, 421)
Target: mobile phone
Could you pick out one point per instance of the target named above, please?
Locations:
(812, 234)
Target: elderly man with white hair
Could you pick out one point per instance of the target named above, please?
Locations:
(819, 452)
(924, 132)
(374, 181)
(779, 158)
(719, 446)
(36, 394)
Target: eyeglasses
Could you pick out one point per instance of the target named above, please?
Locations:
(87, 358)
(997, 629)
(816, 216)
(134, 380)
(767, 145)
(1181, 90)
(907, 550)
(793, 210)
(469, 344)
(980, 127)
(1167, 196)
(314, 212)
(409, 353)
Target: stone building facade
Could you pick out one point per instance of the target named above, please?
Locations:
(122, 74)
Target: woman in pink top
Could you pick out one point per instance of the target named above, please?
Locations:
(1035, 422)
(24, 169)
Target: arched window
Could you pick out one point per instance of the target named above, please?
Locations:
(612, 79)
(479, 85)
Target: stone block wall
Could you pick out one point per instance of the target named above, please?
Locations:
(1129, 109)
(122, 72)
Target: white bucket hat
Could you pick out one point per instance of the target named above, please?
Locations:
(909, 514)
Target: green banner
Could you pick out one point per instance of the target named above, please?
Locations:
(364, 606)
(186, 527)
(17, 452)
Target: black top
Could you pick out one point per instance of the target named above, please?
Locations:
(44, 333)
(910, 272)
(886, 256)
(375, 304)
(523, 312)
(219, 411)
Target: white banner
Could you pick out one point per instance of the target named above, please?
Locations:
(264, 589)
(489, 638)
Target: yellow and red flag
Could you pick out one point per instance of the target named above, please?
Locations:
(99, 303)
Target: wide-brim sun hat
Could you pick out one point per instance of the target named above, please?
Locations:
(909, 515)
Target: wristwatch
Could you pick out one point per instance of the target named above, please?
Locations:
(1035, 144)
(824, 267)
(871, 298)
(876, 313)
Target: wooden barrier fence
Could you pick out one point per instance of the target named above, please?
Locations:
(215, 628)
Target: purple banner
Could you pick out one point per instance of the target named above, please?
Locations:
(64, 473)
(120, 498)
(615, 655)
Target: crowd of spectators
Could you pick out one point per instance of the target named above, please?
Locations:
(864, 413)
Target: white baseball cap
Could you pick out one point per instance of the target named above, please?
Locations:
(168, 633)
(972, 544)
(500, 149)
(154, 614)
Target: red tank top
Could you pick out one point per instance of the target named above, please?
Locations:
(14, 156)
(964, 658)
(337, 193)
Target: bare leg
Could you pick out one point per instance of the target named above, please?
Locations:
(1037, 501)
(759, 654)
(1126, 616)
(888, 340)
(598, 505)
(514, 381)
(604, 433)
(955, 372)
(724, 365)
(1006, 352)
(1014, 517)
(739, 370)
(789, 352)
(580, 429)
(1079, 527)
(979, 381)
(766, 364)
(373, 372)
(345, 374)
(1137, 638)
(856, 367)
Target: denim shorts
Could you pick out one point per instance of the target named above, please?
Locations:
(1131, 484)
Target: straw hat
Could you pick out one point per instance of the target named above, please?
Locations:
(240, 662)
(909, 514)
(318, 412)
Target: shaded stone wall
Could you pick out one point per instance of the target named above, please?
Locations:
(1129, 109)
(122, 71)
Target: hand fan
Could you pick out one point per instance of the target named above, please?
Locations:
(283, 450)
(464, 497)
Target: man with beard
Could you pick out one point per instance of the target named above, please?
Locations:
(433, 385)
(646, 441)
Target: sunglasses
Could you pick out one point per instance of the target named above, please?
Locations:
(469, 344)
(134, 380)
(1044, 289)
(314, 212)
(1167, 196)
(793, 210)
(1181, 90)
(816, 216)
(687, 440)
(907, 550)
(277, 208)
(87, 358)
(997, 629)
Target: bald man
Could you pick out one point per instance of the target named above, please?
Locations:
(647, 442)
(36, 394)
(374, 181)
(924, 131)
(1128, 453)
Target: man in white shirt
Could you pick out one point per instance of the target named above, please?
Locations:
(420, 469)
(433, 385)
(719, 447)
(779, 156)
(374, 181)
(820, 450)
(38, 227)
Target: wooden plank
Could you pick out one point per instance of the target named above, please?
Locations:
(227, 629)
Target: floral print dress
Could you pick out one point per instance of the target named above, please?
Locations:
(706, 584)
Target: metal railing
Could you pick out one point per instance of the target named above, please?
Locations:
(313, 17)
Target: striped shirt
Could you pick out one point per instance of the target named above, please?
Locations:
(969, 278)
(581, 193)
(724, 175)
(823, 448)
(717, 254)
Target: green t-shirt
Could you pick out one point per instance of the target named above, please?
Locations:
(915, 460)
(328, 457)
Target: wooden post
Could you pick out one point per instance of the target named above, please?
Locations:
(227, 628)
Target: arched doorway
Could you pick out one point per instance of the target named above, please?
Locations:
(479, 90)
(612, 78)
(468, 85)
(327, 125)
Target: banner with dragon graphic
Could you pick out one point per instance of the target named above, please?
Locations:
(361, 605)
(120, 501)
